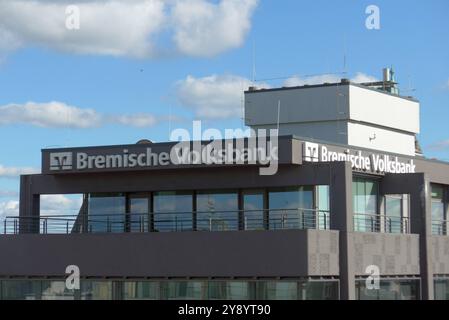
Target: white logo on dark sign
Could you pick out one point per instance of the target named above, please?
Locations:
(311, 152)
(61, 161)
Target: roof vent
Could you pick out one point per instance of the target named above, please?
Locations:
(144, 141)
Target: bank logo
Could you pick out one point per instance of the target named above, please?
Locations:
(61, 161)
(311, 152)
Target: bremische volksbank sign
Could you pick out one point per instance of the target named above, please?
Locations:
(262, 152)
(368, 161)
(265, 154)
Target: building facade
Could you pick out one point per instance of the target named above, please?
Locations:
(332, 214)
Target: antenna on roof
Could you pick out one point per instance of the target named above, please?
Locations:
(254, 61)
(279, 113)
(344, 54)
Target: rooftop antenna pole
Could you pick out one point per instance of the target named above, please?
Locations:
(169, 122)
(254, 61)
(279, 113)
(344, 55)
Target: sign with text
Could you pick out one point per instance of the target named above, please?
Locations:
(368, 161)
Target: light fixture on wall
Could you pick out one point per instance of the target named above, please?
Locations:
(373, 137)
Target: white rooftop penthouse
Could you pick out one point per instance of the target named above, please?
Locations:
(370, 115)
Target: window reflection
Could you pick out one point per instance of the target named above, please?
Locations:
(20, 290)
(141, 290)
(173, 211)
(253, 210)
(138, 213)
(439, 224)
(106, 212)
(400, 289)
(56, 290)
(217, 211)
(394, 214)
(365, 198)
(96, 290)
(291, 208)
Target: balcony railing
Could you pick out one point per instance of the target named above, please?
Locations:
(171, 222)
(439, 227)
(381, 223)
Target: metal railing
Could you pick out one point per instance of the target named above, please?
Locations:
(381, 223)
(439, 227)
(171, 222)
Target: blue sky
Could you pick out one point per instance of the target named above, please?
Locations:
(135, 64)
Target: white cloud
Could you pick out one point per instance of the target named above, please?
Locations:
(213, 97)
(320, 79)
(60, 115)
(136, 120)
(361, 78)
(221, 96)
(325, 78)
(440, 146)
(52, 114)
(14, 172)
(8, 194)
(9, 208)
(59, 204)
(135, 28)
(106, 27)
(50, 205)
(203, 28)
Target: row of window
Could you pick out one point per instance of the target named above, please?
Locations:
(286, 208)
(301, 207)
(389, 289)
(170, 290)
(394, 215)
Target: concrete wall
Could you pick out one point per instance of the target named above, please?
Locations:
(383, 109)
(286, 253)
(323, 253)
(393, 254)
(440, 245)
(320, 103)
(361, 135)
(335, 131)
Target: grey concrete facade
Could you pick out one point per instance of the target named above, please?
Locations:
(339, 252)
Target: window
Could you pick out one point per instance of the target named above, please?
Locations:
(141, 290)
(441, 288)
(106, 212)
(217, 211)
(320, 290)
(96, 290)
(56, 290)
(277, 290)
(365, 198)
(438, 210)
(185, 290)
(390, 289)
(231, 290)
(291, 208)
(253, 210)
(21, 290)
(138, 213)
(396, 214)
(173, 211)
(323, 201)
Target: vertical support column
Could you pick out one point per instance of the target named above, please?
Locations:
(343, 221)
(418, 186)
(29, 207)
(425, 238)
